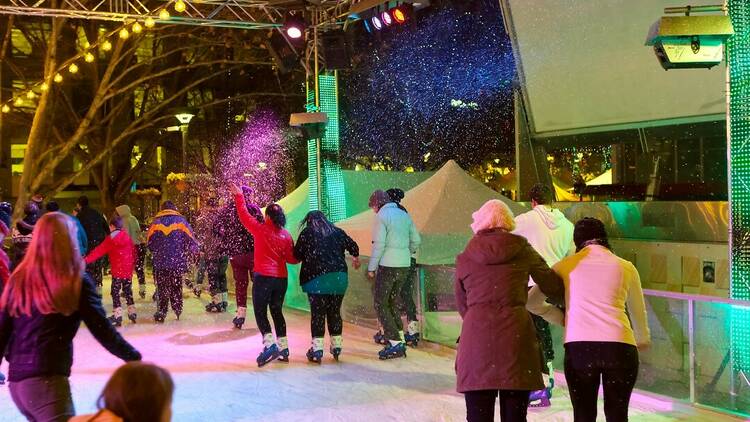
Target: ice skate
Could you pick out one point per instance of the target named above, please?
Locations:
(268, 354)
(159, 318)
(239, 318)
(216, 305)
(116, 318)
(412, 340)
(336, 346)
(379, 338)
(393, 351)
(540, 398)
(197, 291)
(283, 344)
(2, 378)
(132, 315)
(315, 353)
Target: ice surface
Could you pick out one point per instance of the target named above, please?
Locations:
(217, 378)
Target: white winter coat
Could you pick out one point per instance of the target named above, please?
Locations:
(394, 238)
(548, 231)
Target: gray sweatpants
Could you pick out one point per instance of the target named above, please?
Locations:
(43, 399)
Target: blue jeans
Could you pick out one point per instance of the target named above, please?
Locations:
(43, 399)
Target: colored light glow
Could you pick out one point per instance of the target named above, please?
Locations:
(179, 6)
(88, 57)
(30, 95)
(377, 23)
(44, 87)
(368, 27)
(18, 102)
(294, 32)
(6, 108)
(164, 14)
(58, 78)
(106, 46)
(149, 22)
(73, 68)
(124, 34)
(386, 17)
(398, 15)
(137, 28)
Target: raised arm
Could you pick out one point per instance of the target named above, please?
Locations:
(248, 221)
(637, 308)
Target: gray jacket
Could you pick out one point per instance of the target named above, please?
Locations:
(394, 238)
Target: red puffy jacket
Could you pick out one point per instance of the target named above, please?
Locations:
(121, 251)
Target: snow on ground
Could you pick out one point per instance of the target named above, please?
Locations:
(217, 378)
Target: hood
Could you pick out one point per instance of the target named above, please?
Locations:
(552, 217)
(123, 211)
(119, 237)
(494, 246)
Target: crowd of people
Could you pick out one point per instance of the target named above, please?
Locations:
(515, 275)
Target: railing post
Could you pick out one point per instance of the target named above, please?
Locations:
(422, 298)
(691, 347)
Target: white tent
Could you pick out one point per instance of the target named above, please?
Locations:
(441, 208)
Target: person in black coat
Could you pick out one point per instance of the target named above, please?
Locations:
(37, 330)
(22, 232)
(321, 248)
(96, 228)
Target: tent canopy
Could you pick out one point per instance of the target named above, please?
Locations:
(441, 208)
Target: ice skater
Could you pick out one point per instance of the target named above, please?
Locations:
(172, 245)
(274, 249)
(551, 234)
(394, 240)
(133, 227)
(121, 252)
(214, 258)
(321, 247)
(97, 229)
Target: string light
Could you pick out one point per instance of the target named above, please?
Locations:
(137, 28)
(164, 14)
(73, 68)
(58, 78)
(30, 95)
(44, 87)
(179, 6)
(149, 22)
(106, 46)
(88, 57)
(124, 34)
(18, 102)
(6, 108)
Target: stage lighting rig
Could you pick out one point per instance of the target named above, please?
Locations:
(380, 18)
(294, 27)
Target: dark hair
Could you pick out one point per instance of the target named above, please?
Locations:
(138, 391)
(541, 193)
(52, 206)
(275, 213)
(318, 223)
(378, 199)
(168, 205)
(590, 231)
(116, 222)
(395, 194)
(255, 211)
(31, 208)
(83, 201)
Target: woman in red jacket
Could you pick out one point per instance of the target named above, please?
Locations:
(121, 251)
(274, 248)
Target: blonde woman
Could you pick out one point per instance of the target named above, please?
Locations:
(498, 352)
(41, 309)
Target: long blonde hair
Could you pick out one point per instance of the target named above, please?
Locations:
(49, 278)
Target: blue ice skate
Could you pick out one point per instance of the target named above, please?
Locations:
(336, 352)
(412, 340)
(541, 398)
(315, 356)
(284, 356)
(379, 338)
(268, 354)
(2, 378)
(393, 352)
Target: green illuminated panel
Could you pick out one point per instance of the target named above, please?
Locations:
(739, 178)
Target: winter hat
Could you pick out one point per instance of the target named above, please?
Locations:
(4, 223)
(6, 207)
(589, 231)
(378, 199)
(395, 194)
(492, 215)
(52, 206)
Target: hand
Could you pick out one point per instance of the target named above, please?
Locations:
(371, 275)
(356, 263)
(234, 189)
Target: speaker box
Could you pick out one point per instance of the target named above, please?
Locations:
(284, 55)
(335, 50)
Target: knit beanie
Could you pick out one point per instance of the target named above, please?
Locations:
(589, 229)
(378, 199)
(395, 194)
(493, 214)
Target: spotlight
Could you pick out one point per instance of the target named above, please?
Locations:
(398, 15)
(368, 27)
(294, 27)
(386, 18)
(377, 23)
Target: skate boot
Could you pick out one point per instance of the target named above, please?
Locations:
(393, 351)
(270, 351)
(283, 349)
(132, 316)
(336, 345)
(315, 353)
(239, 319)
(159, 318)
(541, 398)
(197, 290)
(216, 305)
(116, 318)
(412, 335)
(142, 291)
(2, 378)
(380, 338)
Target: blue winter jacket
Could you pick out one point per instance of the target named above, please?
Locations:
(171, 242)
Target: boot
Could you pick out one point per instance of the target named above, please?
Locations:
(283, 344)
(337, 343)
(270, 351)
(159, 318)
(412, 335)
(2, 378)
(142, 291)
(239, 318)
(116, 318)
(216, 305)
(393, 350)
(541, 398)
(380, 338)
(315, 353)
(132, 316)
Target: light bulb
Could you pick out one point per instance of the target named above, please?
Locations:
(149, 22)
(164, 14)
(88, 57)
(44, 87)
(6, 108)
(73, 68)
(179, 6)
(137, 28)
(58, 78)
(106, 46)
(124, 34)
(30, 95)
(18, 102)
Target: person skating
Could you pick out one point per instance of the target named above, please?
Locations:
(96, 229)
(133, 227)
(6, 211)
(394, 241)
(321, 248)
(551, 234)
(273, 249)
(237, 243)
(119, 247)
(216, 262)
(83, 241)
(172, 244)
(23, 232)
(37, 330)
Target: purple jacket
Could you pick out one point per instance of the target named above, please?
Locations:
(171, 242)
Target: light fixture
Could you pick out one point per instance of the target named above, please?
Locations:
(377, 23)
(179, 6)
(73, 68)
(164, 14)
(137, 28)
(124, 34)
(386, 18)
(58, 78)
(149, 22)
(106, 45)
(18, 102)
(294, 27)
(6, 108)
(184, 117)
(399, 15)
(368, 27)
(88, 57)
(43, 87)
(30, 95)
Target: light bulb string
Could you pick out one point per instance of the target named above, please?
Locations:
(66, 64)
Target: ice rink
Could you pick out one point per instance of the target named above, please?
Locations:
(217, 378)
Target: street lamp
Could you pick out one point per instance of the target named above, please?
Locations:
(184, 118)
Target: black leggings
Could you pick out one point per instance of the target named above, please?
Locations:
(480, 405)
(216, 268)
(588, 361)
(325, 308)
(268, 292)
(126, 285)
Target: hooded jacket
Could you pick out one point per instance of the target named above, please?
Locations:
(498, 348)
(234, 239)
(94, 225)
(21, 237)
(132, 226)
(121, 252)
(171, 241)
(548, 231)
(394, 239)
